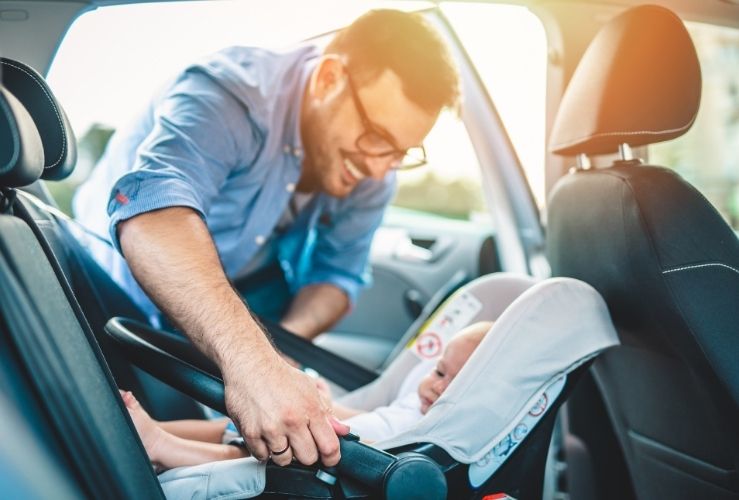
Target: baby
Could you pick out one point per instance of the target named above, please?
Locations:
(192, 442)
(417, 393)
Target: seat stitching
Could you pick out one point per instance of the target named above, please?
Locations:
(15, 137)
(646, 226)
(698, 266)
(53, 105)
(604, 134)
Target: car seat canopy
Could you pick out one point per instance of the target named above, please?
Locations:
(551, 329)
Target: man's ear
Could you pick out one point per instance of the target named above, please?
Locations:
(328, 79)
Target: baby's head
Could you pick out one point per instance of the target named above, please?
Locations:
(455, 355)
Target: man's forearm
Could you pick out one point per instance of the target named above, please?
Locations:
(315, 309)
(275, 406)
(172, 256)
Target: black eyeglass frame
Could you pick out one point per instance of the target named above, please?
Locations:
(370, 129)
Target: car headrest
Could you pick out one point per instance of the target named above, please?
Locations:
(21, 152)
(59, 145)
(639, 82)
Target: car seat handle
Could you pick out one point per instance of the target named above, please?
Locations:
(408, 475)
(161, 357)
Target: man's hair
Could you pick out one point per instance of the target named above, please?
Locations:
(406, 44)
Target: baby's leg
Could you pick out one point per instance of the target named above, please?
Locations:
(168, 450)
(208, 431)
(148, 429)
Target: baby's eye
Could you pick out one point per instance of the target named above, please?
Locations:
(439, 373)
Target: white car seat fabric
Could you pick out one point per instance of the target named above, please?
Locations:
(548, 331)
(224, 480)
(498, 291)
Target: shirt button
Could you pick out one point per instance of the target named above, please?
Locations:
(286, 149)
(290, 187)
(297, 152)
(260, 240)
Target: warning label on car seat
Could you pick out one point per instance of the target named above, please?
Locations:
(452, 316)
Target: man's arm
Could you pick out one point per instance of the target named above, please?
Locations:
(315, 309)
(172, 256)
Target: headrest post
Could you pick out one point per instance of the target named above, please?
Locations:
(625, 153)
(583, 162)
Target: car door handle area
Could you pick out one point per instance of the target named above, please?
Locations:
(421, 251)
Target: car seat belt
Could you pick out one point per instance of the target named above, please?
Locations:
(58, 214)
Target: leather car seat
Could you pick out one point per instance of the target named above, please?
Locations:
(663, 258)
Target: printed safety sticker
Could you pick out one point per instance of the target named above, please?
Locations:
(451, 317)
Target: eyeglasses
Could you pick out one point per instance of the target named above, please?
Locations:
(375, 139)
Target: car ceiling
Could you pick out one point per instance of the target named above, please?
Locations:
(51, 18)
(714, 11)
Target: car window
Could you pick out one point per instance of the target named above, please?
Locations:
(113, 58)
(129, 64)
(449, 185)
(708, 155)
(508, 47)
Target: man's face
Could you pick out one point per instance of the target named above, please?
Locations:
(435, 383)
(335, 117)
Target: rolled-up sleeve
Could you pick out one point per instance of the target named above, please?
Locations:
(188, 155)
(343, 244)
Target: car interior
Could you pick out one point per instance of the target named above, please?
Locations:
(36, 275)
(654, 417)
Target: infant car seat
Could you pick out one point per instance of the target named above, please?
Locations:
(489, 431)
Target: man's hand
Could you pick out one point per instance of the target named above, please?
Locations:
(279, 408)
(323, 389)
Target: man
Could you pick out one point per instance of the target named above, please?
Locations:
(254, 158)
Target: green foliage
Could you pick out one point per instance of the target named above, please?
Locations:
(455, 199)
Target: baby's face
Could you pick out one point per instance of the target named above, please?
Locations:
(455, 355)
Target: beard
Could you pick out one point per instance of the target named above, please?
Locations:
(314, 132)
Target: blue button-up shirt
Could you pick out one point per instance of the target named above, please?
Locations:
(223, 138)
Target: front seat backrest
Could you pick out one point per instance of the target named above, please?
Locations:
(659, 253)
